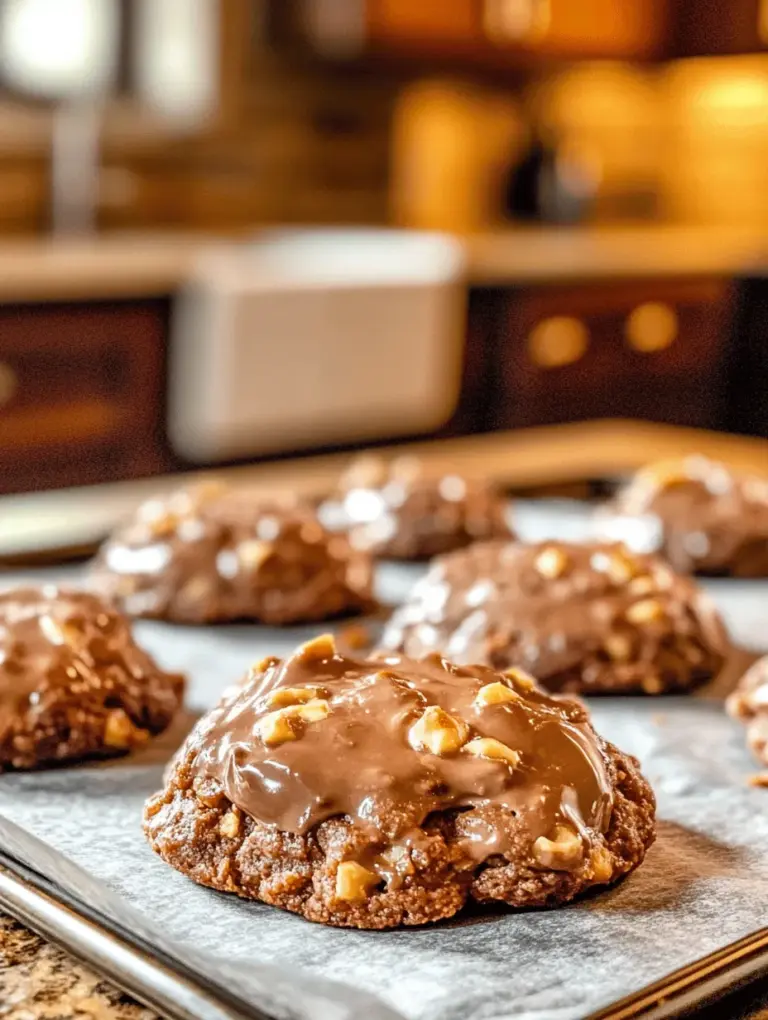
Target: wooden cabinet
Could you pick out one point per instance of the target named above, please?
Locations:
(721, 27)
(81, 393)
(590, 28)
(652, 350)
(499, 32)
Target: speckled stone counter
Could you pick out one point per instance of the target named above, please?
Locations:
(40, 982)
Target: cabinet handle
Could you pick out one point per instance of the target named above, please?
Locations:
(516, 20)
(559, 341)
(651, 327)
(9, 383)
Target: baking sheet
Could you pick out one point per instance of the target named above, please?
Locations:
(704, 884)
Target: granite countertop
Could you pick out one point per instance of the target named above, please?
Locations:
(38, 981)
(143, 264)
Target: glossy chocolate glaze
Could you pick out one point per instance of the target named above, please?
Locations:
(64, 654)
(400, 511)
(577, 616)
(209, 553)
(712, 521)
(363, 759)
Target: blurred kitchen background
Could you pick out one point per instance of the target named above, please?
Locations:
(233, 230)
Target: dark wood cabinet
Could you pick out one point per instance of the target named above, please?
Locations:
(720, 27)
(653, 350)
(505, 31)
(81, 393)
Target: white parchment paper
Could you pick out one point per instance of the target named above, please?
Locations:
(704, 883)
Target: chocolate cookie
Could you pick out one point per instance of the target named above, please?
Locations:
(73, 683)
(750, 704)
(208, 554)
(707, 519)
(397, 511)
(593, 618)
(371, 793)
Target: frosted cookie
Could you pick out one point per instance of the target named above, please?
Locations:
(209, 554)
(73, 682)
(750, 704)
(593, 618)
(372, 793)
(398, 511)
(705, 519)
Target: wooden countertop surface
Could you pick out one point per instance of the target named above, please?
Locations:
(146, 264)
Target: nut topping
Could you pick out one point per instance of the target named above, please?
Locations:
(354, 882)
(286, 723)
(319, 648)
(437, 732)
(253, 553)
(120, 732)
(645, 611)
(618, 647)
(551, 562)
(602, 865)
(560, 853)
(521, 678)
(229, 826)
(488, 747)
(495, 694)
(621, 567)
(284, 696)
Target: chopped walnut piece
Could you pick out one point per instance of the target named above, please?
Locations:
(285, 724)
(119, 731)
(312, 711)
(521, 678)
(489, 747)
(602, 865)
(354, 882)
(437, 732)
(758, 779)
(618, 647)
(642, 585)
(253, 553)
(645, 611)
(652, 684)
(59, 633)
(229, 826)
(264, 664)
(276, 728)
(319, 648)
(560, 853)
(284, 696)
(551, 562)
(622, 567)
(495, 694)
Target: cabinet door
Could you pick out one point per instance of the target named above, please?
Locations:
(429, 26)
(721, 27)
(653, 350)
(588, 28)
(81, 393)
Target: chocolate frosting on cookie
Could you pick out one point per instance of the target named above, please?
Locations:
(711, 520)
(210, 553)
(581, 617)
(400, 511)
(72, 680)
(386, 742)
(749, 702)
